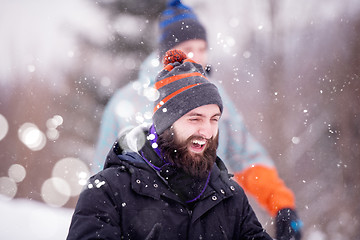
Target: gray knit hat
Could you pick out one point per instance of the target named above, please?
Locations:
(178, 23)
(183, 86)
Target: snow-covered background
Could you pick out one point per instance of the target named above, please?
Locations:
(292, 68)
(24, 219)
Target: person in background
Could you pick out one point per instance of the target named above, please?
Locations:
(253, 168)
(164, 181)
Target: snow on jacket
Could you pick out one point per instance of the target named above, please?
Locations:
(129, 200)
(243, 155)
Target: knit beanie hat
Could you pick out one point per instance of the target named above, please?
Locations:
(182, 86)
(178, 23)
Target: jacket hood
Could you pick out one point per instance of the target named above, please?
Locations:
(130, 141)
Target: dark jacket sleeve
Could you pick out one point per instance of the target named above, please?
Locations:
(96, 215)
(249, 225)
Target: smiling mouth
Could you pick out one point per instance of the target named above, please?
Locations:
(198, 145)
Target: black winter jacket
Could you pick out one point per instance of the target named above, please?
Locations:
(129, 200)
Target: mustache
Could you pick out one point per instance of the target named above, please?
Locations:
(199, 138)
(177, 153)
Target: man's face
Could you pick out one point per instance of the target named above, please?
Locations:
(192, 141)
(199, 125)
(195, 49)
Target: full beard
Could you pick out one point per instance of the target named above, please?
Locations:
(177, 153)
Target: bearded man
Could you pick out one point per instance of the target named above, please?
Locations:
(165, 181)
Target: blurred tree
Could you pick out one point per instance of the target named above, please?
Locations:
(75, 88)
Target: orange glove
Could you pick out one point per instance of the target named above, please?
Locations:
(266, 186)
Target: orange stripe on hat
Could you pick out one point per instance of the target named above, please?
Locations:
(162, 102)
(171, 79)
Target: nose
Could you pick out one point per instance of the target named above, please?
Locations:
(206, 130)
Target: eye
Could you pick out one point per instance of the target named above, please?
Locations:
(215, 119)
(194, 119)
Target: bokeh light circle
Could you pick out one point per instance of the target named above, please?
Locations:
(125, 109)
(151, 93)
(52, 134)
(8, 187)
(74, 171)
(17, 172)
(50, 192)
(58, 120)
(32, 137)
(4, 127)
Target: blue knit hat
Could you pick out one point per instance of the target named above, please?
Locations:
(182, 86)
(178, 23)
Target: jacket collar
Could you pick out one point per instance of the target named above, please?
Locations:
(144, 182)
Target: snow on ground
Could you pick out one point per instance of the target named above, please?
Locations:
(32, 220)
